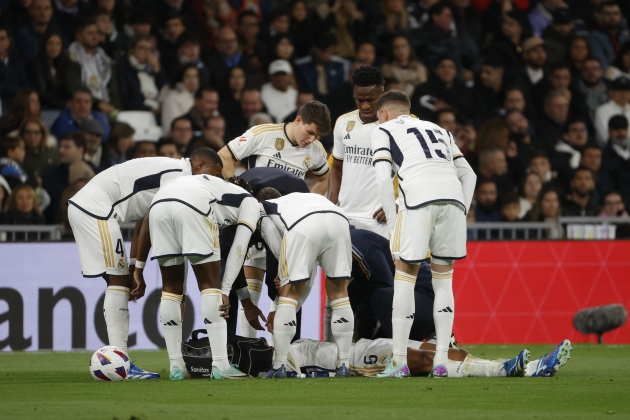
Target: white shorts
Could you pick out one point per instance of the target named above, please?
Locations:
(322, 238)
(370, 224)
(178, 231)
(440, 227)
(100, 242)
(256, 258)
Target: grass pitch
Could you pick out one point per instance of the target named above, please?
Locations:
(595, 383)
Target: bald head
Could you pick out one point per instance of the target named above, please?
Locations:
(227, 43)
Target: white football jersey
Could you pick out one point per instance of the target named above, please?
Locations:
(422, 155)
(289, 210)
(126, 190)
(268, 145)
(367, 357)
(358, 195)
(227, 204)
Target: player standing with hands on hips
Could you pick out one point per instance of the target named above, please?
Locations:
(436, 186)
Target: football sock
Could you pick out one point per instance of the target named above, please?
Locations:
(272, 308)
(284, 326)
(255, 287)
(342, 328)
(216, 326)
(116, 312)
(471, 367)
(171, 318)
(402, 315)
(443, 313)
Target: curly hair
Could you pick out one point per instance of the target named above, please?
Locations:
(366, 76)
(238, 181)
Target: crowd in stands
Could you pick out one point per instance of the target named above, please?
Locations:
(535, 92)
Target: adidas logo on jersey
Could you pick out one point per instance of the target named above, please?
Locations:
(291, 324)
(347, 137)
(205, 321)
(171, 323)
(341, 320)
(277, 156)
(447, 309)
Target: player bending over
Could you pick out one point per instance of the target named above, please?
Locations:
(369, 357)
(313, 231)
(120, 194)
(436, 185)
(184, 221)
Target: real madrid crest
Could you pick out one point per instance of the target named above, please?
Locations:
(307, 162)
(350, 126)
(122, 263)
(279, 144)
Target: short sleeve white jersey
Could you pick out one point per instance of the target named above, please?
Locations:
(125, 191)
(422, 155)
(289, 210)
(358, 195)
(227, 204)
(268, 145)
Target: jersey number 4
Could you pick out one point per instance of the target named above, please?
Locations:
(434, 140)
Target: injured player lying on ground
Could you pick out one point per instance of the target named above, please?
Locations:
(370, 357)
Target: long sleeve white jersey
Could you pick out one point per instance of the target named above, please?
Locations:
(268, 145)
(287, 211)
(422, 154)
(227, 204)
(125, 191)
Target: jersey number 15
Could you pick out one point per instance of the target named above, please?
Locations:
(434, 140)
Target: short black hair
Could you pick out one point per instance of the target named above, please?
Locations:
(559, 65)
(393, 97)
(165, 142)
(509, 197)
(182, 118)
(80, 90)
(170, 15)
(209, 155)
(483, 180)
(187, 38)
(572, 120)
(325, 41)
(9, 143)
(493, 60)
(366, 76)
(237, 180)
(246, 13)
(439, 113)
(582, 169)
(438, 8)
(83, 22)
(203, 89)
(76, 137)
(142, 17)
(539, 154)
(136, 39)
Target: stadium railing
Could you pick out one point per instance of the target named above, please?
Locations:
(30, 233)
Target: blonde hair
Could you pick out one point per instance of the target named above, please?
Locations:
(42, 126)
(12, 198)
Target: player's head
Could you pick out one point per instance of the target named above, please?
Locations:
(206, 161)
(240, 182)
(312, 122)
(391, 105)
(368, 87)
(268, 193)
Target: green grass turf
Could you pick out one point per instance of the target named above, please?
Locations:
(595, 383)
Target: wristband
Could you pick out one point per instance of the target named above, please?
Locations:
(132, 261)
(140, 264)
(242, 293)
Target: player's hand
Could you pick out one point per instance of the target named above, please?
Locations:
(140, 285)
(269, 323)
(225, 308)
(252, 312)
(379, 215)
(276, 282)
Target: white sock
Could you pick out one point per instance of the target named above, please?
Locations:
(272, 308)
(255, 287)
(402, 315)
(284, 326)
(216, 326)
(342, 328)
(328, 337)
(531, 368)
(116, 312)
(171, 318)
(443, 314)
(470, 367)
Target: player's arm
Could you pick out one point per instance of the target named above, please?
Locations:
(382, 162)
(237, 149)
(271, 236)
(321, 186)
(142, 253)
(320, 169)
(336, 173)
(465, 173)
(134, 247)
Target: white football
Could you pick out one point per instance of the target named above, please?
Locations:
(109, 363)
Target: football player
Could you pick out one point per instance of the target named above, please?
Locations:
(436, 185)
(120, 194)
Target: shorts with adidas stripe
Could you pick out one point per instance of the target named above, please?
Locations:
(100, 242)
(179, 231)
(440, 227)
(322, 238)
